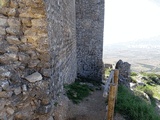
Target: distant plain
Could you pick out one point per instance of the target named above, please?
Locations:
(143, 55)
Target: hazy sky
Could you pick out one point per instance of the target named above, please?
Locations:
(131, 20)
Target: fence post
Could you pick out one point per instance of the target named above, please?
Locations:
(116, 74)
(111, 101)
(112, 96)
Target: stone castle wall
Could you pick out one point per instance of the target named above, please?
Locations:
(37, 56)
(38, 53)
(89, 26)
(61, 29)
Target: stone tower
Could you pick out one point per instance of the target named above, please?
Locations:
(89, 27)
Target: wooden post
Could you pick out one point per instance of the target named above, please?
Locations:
(116, 74)
(112, 95)
(111, 101)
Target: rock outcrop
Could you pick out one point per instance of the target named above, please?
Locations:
(124, 72)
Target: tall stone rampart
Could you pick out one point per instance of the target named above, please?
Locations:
(89, 26)
(37, 56)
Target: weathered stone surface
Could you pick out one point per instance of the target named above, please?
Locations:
(17, 90)
(4, 10)
(12, 49)
(46, 72)
(23, 39)
(124, 72)
(2, 31)
(4, 73)
(50, 118)
(13, 40)
(33, 63)
(13, 3)
(19, 57)
(15, 78)
(4, 3)
(14, 22)
(30, 32)
(23, 57)
(2, 103)
(34, 3)
(45, 101)
(4, 84)
(39, 22)
(0, 89)
(33, 54)
(31, 13)
(34, 77)
(44, 109)
(5, 94)
(10, 110)
(13, 31)
(44, 56)
(22, 115)
(3, 59)
(25, 47)
(12, 12)
(24, 89)
(26, 22)
(3, 46)
(3, 21)
(12, 56)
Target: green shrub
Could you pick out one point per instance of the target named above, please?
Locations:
(77, 91)
(107, 72)
(133, 107)
(152, 78)
(134, 74)
(155, 79)
(146, 89)
(133, 80)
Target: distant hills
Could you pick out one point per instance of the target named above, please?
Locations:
(144, 55)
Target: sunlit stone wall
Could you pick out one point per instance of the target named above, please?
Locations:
(37, 56)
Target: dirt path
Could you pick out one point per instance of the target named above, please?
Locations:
(92, 108)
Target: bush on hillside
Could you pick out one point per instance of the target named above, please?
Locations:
(133, 107)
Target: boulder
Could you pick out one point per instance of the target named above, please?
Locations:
(124, 72)
(143, 96)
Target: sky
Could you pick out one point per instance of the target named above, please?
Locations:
(127, 20)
